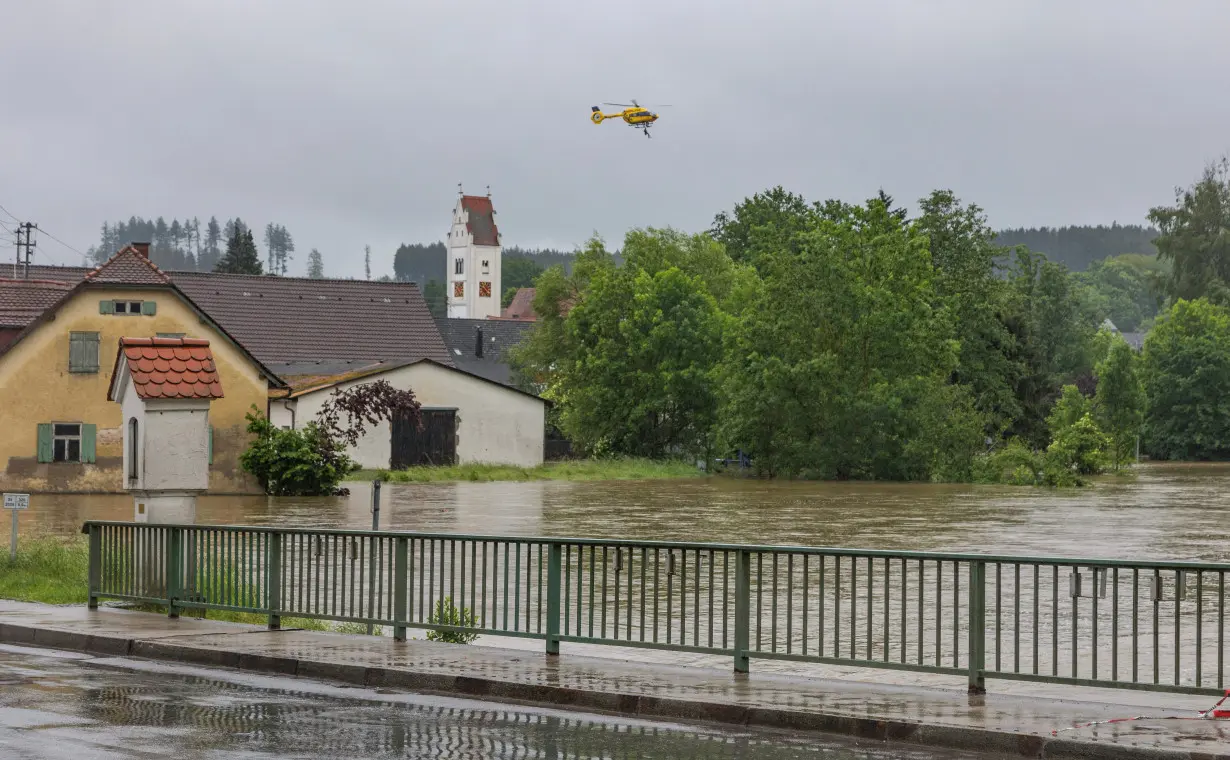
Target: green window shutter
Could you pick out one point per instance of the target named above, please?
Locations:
(44, 442)
(211, 444)
(83, 352)
(106, 307)
(149, 308)
(88, 436)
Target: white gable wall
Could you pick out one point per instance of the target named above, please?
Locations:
(496, 425)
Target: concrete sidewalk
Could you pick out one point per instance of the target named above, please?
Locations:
(1008, 724)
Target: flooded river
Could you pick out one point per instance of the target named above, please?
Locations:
(1161, 511)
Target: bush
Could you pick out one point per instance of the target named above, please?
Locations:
(448, 614)
(1079, 449)
(304, 462)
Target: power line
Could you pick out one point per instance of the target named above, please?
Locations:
(10, 213)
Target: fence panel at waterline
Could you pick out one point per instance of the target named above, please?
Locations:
(1142, 625)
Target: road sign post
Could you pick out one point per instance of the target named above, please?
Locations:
(15, 502)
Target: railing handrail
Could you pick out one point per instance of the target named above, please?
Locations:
(1089, 562)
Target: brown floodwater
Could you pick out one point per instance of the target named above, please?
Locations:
(1162, 511)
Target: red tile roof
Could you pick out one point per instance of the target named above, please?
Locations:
(522, 306)
(128, 267)
(171, 367)
(481, 223)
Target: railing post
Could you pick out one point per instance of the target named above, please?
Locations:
(554, 580)
(174, 569)
(977, 645)
(743, 610)
(273, 581)
(399, 589)
(95, 583)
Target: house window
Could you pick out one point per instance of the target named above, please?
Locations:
(66, 442)
(132, 449)
(127, 307)
(83, 352)
(486, 267)
(457, 266)
(459, 290)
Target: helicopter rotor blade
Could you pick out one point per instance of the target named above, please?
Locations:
(625, 105)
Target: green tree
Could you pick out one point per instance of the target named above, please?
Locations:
(316, 265)
(965, 257)
(367, 261)
(766, 223)
(1069, 408)
(1195, 237)
(639, 350)
(1120, 400)
(1054, 327)
(1129, 288)
(436, 298)
(1185, 368)
(518, 272)
(838, 366)
(241, 256)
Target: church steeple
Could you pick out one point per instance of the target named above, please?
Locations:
(474, 250)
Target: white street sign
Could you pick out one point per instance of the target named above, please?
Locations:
(17, 501)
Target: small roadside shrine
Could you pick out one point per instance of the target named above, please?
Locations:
(164, 387)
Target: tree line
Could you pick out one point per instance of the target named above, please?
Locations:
(854, 341)
(1077, 247)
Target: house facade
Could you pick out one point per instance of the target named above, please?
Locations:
(473, 266)
(465, 418)
(61, 432)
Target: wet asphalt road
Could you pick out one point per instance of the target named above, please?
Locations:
(58, 705)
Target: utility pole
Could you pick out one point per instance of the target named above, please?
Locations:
(29, 245)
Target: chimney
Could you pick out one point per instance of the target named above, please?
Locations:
(142, 249)
(478, 342)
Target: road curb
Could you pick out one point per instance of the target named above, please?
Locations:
(629, 705)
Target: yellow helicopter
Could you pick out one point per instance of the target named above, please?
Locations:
(635, 115)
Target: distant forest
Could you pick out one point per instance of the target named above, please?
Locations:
(189, 245)
(1078, 248)
(194, 245)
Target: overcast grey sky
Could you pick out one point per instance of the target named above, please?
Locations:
(352, 122)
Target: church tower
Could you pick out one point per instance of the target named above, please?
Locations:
(473, 259)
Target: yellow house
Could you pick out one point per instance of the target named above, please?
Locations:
(58, 344)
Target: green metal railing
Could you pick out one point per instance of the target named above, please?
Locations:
(1138, 625)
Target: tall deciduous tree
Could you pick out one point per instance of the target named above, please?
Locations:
(1195, 237)
(1120, 401)
(839, 366)
(1186, 372)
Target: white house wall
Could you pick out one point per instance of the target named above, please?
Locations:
(496, 425)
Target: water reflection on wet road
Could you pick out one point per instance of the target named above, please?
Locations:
(57, 705)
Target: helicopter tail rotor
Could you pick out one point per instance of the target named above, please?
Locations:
(597, 115)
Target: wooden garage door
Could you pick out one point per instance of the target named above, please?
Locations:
(434, 442)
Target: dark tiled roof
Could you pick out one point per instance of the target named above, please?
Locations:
(522, 306)
(22, 301)
(171, 367)
(286, 319)
(460, 336)
(128, 267)
(292, 319)
(481, 222)
(71, 275)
